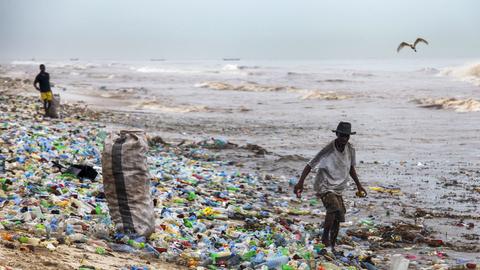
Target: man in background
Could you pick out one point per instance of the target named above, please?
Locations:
(43, 80)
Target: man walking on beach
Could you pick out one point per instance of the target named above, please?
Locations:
(336, 161)
(43, 79)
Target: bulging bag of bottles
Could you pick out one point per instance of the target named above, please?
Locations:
(126, 182)
(53, 110)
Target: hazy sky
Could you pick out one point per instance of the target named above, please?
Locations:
(249, 29)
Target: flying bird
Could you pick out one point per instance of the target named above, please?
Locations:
(405, 44)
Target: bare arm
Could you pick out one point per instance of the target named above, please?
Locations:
(35, 83)
(298, 189)
(312, 163)
(353, 174)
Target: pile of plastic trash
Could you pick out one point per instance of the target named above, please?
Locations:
(208, 213)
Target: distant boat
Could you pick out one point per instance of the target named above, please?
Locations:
(73, 59)
(157, 59)
(231, 59)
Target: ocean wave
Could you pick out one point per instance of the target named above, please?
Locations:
(468, 73)
(291, 73)
(233, 67)
(153, 105)
(164, 70)
(226, 68)
(25, 63)
(327, 95)
(255, 87)
(81, 66)
(333, 81)
(230, 67)
(121, 93)
(362, 74)
(299, 74)
(75, 66)
(154, 70)
(247, 87)
(101, 76)
(458, 105)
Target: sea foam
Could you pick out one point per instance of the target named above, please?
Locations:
(247, 87)
(468, 73)
(458, 105)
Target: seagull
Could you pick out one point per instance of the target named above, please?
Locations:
(404, 44)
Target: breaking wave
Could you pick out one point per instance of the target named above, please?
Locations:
(468, 73)
(25, 63)
(294, 73)
(458, 105)
(165, 70)
(333, 81)
(233, 67)
(230, 67)
(247, 87)
(328, 95)
(56, 64)
(226, 68)
(255, 87)
(154, 105)
(362, 74)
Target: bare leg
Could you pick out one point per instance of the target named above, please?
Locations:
(327, 226)
(334, 232)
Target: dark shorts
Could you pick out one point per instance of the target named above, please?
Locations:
(334, 204)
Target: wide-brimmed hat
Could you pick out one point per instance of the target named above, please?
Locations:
(344, 128)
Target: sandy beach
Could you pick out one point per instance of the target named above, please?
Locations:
(417, 141)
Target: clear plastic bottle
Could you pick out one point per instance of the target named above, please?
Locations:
(276, 261)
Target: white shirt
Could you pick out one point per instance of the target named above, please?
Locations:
(333, 168)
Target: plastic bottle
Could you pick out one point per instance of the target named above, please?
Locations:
(200, 227)
(100, 250)
(136, 244)
(23, 239)
(398, 262)
(78, 238)
(259, 258)
(152, 250)
(248, 255)
(121, 248)
(69, 229)
(276, 261)
(33, 241)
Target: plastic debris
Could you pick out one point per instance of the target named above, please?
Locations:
(208, 213)
(393, 191)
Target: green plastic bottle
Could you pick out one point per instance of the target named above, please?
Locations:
(287, 267)
(248, 255)
(187, 223)
(191, 196)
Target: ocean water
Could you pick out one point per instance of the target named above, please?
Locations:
(428, 103)
(277, 90)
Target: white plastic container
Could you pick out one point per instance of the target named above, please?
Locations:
(398, 262)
